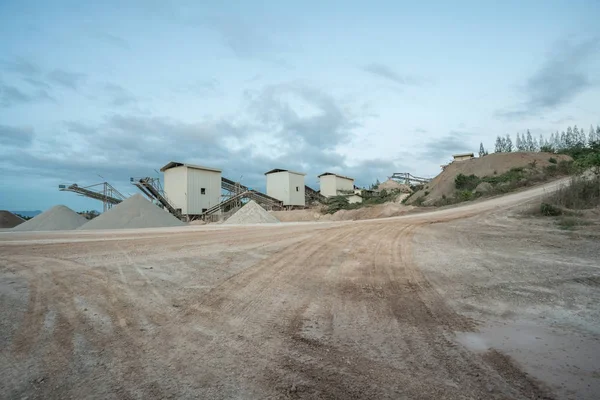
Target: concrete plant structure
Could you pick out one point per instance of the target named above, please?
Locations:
(191, 189)
(463, 157)
(287, 186)
(333, 184)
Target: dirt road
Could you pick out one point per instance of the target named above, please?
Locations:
(392, 308)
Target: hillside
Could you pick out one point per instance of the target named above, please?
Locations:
(443, 185)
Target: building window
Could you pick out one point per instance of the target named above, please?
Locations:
(202, 190)
(297, 188)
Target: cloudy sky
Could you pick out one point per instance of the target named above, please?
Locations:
(108, 90)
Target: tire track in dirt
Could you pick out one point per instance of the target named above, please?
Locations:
(58, 284)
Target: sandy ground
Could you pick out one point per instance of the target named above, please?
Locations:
(468, 302)
(385, 210)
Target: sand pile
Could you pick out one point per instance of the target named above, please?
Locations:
(9, 220)
(58, 218)
(493, 164)
(390, 209)
(135, 212)
(391, 184)
(252, 213)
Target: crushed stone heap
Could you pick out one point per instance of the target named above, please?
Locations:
(252, 213)
(58, 218)
(9, 220)
(135, 212)
(391, 184)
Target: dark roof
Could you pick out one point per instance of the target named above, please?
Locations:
(276, 170)
(174, 164)
(339, 176)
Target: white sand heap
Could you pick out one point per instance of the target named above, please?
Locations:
(252, 213)
(135, 212)
(58, 218)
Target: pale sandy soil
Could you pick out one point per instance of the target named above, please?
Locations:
(469, 302)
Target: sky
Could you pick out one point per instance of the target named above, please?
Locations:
(95, 91)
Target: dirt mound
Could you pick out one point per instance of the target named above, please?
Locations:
(252, 213)
(391, 184)
(135, 212)
(490, 165)
(9, 220)
(386, 210)
(58, 218)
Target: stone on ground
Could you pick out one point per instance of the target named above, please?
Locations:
(135, 212)
(58, 218)
(252, 213)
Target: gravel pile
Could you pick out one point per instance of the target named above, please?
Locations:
(9, 220)
(135, 212)
(252, 213)
(391, 184)
(58, 218)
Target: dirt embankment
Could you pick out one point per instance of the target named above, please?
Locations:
(490, 165)
(386, 210)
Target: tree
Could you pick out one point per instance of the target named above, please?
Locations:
(556, 141)
(481, 150)
(570, 138)
(542, 141)
(578, 137)
(563, 141)
(518, 142)
(499, 145)
(529, 142)
(508, 144)
(591, 136)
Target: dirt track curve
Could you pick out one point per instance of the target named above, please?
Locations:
(313, 310)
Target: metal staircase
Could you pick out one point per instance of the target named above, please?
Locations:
(224, 204)
(151, 188)
(261, 198)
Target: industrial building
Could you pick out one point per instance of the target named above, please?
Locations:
(334, 184)
(287, 186)
(463, 157)
(191, 189)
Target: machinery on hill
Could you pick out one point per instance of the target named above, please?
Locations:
(408, 179)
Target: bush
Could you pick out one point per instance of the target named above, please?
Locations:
(589, 161)
(514, 175)
(465, 195)
(419, 201)
(549, 210)
(570, 223)
(580, 194)
(337, 203)
(565, 167)
(464, 182)
(551, 170)
(552, 160)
